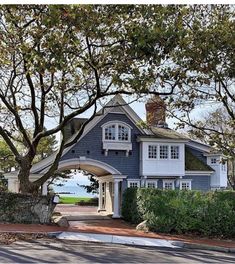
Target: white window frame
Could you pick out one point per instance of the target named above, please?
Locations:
(187, 182)
(116, 124)
(168, 147)
(170, 154)
(133, 181)
(157, 147)
(151, 181)
(213, 161)
(168, 181)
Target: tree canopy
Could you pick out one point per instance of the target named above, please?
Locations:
(58, 61)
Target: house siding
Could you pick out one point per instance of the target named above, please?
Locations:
(199, 182)
(91, 147)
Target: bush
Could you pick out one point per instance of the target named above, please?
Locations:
(211, 214)
(130, 210)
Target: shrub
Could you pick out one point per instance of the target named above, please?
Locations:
(211, 214)
(130, 210)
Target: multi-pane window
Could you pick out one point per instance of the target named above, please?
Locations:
(152, 152)
(116, 132)
(123, 133)
(168, 185)
(109, 132)
(163, 152)
(151, 184)
(133, 184)
(213, 160)
(185, 185)
(174, 152)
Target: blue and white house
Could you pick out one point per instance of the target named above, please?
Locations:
(121, 154)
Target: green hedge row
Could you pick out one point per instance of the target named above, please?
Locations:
(173, 211)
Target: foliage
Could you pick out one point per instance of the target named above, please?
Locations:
(58, 61)
(129, 208)
(174, 211)
(7, 160)
(93, 187)
(217, 129)
(206, 57)
(3, 183)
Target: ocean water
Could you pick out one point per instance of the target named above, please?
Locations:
(72, 191)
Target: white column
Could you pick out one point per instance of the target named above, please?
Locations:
(100, 196)
(12, 185)
(44, 188)
(116, 206)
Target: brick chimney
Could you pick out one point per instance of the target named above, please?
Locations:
(156, 112)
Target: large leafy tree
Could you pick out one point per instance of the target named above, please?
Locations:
(215, 128)
(56, 62)
(205, 56)
(204, 103)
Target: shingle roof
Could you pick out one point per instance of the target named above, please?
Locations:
(192, 163)
(166, 133)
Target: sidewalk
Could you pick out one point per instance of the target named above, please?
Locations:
(121, 232)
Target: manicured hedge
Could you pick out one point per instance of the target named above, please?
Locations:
(168, 211)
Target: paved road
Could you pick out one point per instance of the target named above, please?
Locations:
(51, 251)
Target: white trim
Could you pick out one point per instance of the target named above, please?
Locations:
(129, 181)
(159, 152)
(206, 173)
(160, 140)
(168, 181)
(119, 177)
(186, 181)
(200, 146)
(117, 100)
(214, 161)
(116, 123)
(213, 155)
(76, 162)
(151, 181)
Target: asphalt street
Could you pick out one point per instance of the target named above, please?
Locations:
(53, 251)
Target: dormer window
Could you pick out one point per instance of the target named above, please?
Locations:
(116, 132)
(116, 136)
(109, 132)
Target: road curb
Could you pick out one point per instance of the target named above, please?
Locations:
(203, 246)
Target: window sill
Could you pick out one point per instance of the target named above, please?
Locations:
(127, 146)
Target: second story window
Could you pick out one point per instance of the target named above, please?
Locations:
(116, 135)
(213, 160)
(163, 152)
(152, 152)
(109, 132)
(175, 152)
(116, 131)
(123, 133)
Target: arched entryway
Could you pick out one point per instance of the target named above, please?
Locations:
(110, 181)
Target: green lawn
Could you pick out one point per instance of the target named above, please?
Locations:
(73, 200)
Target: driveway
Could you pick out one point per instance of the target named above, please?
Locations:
(51, 251)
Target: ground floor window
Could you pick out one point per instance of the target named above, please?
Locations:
(133, 184)
(151, 184)
(185, 185)
(168, 185)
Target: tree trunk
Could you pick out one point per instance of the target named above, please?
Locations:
(26, 186)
